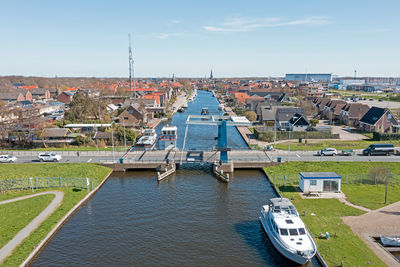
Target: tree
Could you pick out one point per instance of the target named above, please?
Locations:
(314, 122)
(250, 115)
(84, 108)
(129, 134)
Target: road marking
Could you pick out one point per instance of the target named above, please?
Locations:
(298, 155)
(89, 160)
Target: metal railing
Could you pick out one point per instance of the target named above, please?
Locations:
(46, 182)
(354, 178)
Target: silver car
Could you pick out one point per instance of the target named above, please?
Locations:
(49, 157)
(327, 152)
(7, 159)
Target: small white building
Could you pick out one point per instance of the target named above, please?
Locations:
(319, 182)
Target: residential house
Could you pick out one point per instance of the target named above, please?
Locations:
(66, 97)
(56, 135)
(351, 113)
(379, 120)
(133, 115)
(299, 123)
(285, 114)
(12, 97)
(319, 104)
(330, 108)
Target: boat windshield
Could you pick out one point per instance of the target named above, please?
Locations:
(285, 209)
(283, 231)
(293, 231)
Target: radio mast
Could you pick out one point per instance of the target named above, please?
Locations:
(131, 71)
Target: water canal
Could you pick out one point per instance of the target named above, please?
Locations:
(191, 219)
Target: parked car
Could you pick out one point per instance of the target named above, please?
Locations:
(327, 152)
(379, 149)
(380, 99)
(397, 151)
(49, 157)
(7, 159)
(371, 99)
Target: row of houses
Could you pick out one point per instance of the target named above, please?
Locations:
(368, 119)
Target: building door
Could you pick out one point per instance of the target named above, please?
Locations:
(331, 186)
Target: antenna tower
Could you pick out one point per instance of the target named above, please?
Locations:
(131, 71)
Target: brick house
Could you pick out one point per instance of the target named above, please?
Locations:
(133, 115)
(66, 97)
(379, 120)
(351, 113)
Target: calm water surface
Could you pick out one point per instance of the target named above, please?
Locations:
(191, 219)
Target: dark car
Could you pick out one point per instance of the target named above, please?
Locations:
(379, 149)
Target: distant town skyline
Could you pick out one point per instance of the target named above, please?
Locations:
(233, 38)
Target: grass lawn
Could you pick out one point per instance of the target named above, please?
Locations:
(91, 170)
(71, 197)
(339, 145)
(371, 196)
(22, 212)
(367, 195)
(346, 246)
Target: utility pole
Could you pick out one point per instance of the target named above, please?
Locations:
(288, 154)
(123, 122)
(112, 142)
(386, 190)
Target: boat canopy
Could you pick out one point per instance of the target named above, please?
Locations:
(282, 205)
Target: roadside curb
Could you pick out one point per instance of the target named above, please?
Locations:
(58, 226)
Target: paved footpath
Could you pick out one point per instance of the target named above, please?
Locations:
(383, 221)
(35, 223)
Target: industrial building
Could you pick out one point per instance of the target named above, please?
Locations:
(309, 77)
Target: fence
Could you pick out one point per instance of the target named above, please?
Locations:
(48, 182)
(354, 178)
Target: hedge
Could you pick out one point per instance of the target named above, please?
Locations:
(385, 136)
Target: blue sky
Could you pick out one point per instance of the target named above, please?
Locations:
(188, 38)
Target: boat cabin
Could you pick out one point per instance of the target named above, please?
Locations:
(319, 182)
(169, 135)
(204, 111)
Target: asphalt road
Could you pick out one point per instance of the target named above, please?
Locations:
(209, 156)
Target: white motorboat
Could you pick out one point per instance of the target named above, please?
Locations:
(390, 241)
(286, 230)
(185, 105)
(221, 106)
(148, 140)
(168, 137)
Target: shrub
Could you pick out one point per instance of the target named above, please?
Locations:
(379, 175)
(250, 115)
(385, 136)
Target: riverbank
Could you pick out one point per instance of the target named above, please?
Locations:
(73, 199)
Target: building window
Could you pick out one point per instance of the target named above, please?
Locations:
(313, 182)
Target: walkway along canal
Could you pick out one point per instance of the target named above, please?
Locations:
(190, 219)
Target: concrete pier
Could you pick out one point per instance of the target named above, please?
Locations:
(167, 171)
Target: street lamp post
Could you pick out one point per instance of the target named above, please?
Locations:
(123, 122)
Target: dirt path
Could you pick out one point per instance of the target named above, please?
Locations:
(35, 223)
(383, 221)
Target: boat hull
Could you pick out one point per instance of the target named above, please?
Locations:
(287, 254)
